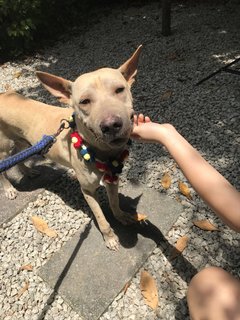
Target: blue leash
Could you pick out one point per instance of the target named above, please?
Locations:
(41, 147)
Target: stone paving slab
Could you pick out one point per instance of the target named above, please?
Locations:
(88, 275)
(28, 188)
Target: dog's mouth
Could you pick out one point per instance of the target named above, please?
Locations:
(110, 139)
(118, 141)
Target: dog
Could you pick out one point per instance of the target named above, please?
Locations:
(102, 104)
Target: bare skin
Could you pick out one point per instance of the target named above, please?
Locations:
(211, 186)
(213, 293)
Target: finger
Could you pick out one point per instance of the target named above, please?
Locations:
(147, 119)
(135, 119)
(140, 118)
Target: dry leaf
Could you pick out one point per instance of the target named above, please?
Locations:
(42, 226)
(127, 285)
(27, 267)
(149, 290)
(184, 190)
(179, 247)
(139, 217)
(17, 74)
(166, 95)
(205, 225)
(21, 291)
(166, 180)
(178, 199)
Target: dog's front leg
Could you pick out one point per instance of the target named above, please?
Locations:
(109, 236)
(124, 217)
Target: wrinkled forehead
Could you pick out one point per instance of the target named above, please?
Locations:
(105, 77)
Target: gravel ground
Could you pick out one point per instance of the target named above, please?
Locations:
(205, 37)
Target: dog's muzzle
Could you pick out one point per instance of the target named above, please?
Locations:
(113, 131)
(111, 125)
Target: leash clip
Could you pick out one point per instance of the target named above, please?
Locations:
(66, 124)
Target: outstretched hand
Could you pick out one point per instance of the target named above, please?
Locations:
(146, 130)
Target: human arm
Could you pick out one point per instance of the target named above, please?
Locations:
(211, 186)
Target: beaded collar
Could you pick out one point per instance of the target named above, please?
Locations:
(110, 168)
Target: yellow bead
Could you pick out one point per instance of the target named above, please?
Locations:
(74, 139)
(87, 156)
(115, 163)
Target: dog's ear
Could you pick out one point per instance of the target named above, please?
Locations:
(57, 86)
(129, 68)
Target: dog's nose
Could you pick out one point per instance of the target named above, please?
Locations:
(111, 125)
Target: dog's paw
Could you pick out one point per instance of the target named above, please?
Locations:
(11, 193)
(111, 241)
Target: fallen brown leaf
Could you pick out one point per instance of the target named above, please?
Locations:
(179, 247)
(42, 226)
(51, 233)
(166, 95)
(17, 74)
(27, 267)
(177, 199)
(183, 188)
(205, 225)
(149, 290)
(24, 288)
(166, 180)
(127, 285)
(139, 216)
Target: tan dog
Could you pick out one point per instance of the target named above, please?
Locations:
(102, 102)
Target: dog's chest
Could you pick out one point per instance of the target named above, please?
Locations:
(94, 176)
(87, 174)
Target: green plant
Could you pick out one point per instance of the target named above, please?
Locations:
(25, 23)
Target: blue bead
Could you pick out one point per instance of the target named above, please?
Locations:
(83, 152)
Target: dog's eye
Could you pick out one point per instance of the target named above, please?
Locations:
(119, 90)
(84, 101)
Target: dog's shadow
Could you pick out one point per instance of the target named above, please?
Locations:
(68, 189)
(128, 234)
(50, 178)
(47, 173)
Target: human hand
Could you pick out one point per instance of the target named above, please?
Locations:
(146, 130)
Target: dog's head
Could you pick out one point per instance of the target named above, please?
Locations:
(101, 99)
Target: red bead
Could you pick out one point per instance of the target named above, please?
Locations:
(101, 166)
(110, 179)
(79, 141)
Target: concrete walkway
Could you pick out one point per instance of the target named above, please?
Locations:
(28, 187)
(84, 272)
(88, 275)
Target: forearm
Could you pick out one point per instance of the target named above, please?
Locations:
(211, 186)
